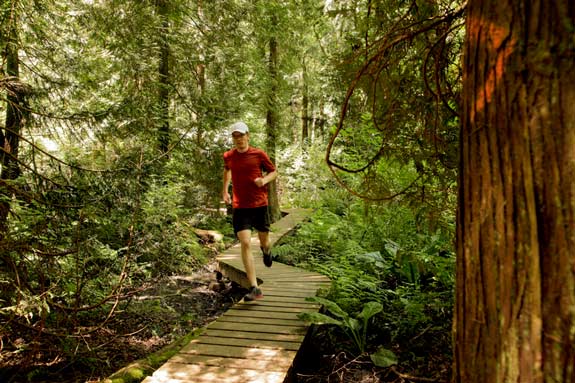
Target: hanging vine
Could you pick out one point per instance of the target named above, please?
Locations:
(381, 57)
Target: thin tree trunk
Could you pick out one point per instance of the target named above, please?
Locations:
(305, 115)
(164, 78)
(272, 120)
(515, 303)
(16, 115)
(201, 76)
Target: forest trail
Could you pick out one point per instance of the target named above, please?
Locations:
(253, 341)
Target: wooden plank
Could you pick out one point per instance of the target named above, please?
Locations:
(245, 352)
(294, 290)
(196, 373)
(260, 328)
(282, 299)
(276, 308)
(236, 333)
(257, 320)
(313, 290)
(233, 263)
(273, 300)
(225, 339)
(296, 279)
(262, 314)
(295, 284)
(279, 364)
(287, 293)
(285, 271)
(275, 303)
(293, 281)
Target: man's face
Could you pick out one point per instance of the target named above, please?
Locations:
(241, 140)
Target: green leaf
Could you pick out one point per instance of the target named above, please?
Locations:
(318, 318)
(330, 305)
(370, 309)
(353, 324)
(383, 357)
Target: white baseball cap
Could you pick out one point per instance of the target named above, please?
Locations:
(239, 127)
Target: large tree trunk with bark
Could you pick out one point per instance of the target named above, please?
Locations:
(515, 304)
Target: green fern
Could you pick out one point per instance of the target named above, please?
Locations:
(354, 327)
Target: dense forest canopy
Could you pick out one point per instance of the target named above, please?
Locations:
(113, 125)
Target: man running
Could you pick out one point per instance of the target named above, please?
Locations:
(244, 166)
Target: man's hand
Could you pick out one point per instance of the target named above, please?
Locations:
(226, 197)
(260, 181)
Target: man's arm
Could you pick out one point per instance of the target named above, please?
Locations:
(225, 193)
(262, 181)
(269, 167)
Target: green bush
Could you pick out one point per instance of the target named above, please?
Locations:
(399, 265)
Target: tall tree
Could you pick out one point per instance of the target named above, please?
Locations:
(515, 310)
(272, 121)
(305, 115)
(162, 7)
(16, 109)
(268, 20)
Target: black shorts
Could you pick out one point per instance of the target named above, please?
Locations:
(248, 218)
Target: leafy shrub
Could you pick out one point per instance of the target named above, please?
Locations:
(354, 327)
(374, 259)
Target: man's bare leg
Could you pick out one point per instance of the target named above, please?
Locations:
(265, 245)
(245, 237)
(264, 237)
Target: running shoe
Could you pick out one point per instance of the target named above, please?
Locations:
(255, 293)
(267, 257)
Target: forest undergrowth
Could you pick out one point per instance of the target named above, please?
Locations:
(163, 311)
(387, 317)
(388, 314)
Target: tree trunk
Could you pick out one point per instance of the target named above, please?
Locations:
(16, 115)
(304, 108)
(164, 78)
(272, 120)
(515, 303)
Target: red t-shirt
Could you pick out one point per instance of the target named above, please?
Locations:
(246, 167)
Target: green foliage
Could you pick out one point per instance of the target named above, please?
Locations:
(168, 244)
(306, 178)
(398, 125)
(354, 327)
(381, 254)
(383, 357)
(90, 241)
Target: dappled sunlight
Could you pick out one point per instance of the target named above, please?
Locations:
(175, 373)
(488, 39)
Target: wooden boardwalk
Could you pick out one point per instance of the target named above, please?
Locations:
(253, 342)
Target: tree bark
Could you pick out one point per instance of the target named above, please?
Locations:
(272, 121)
(164, 78)
(305, 116)
(16, 115)
(515, 299)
